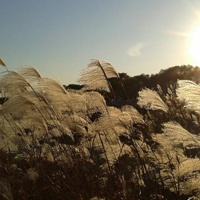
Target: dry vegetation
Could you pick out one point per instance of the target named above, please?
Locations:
(64, 144)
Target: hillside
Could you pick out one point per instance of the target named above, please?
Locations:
(118, 137)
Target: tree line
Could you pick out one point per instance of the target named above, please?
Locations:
(164, 78)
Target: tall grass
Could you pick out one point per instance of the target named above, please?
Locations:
(61, 144)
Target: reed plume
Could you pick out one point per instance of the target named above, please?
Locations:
(5, 190)
(2, 62)
(96, 75)
(189, 92)
(150, 100)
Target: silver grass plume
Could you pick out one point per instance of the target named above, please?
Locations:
(114, 123)
(13, 83)
(133, 113)
(187, 167)
(150, 100)
(172, 145)
(106, 143)
(73, 103)
(164, 146)
(75, 123)
(106, 130)
(76, 103)
(95, 102)
(83, 104)
(96, 75)
(16, 105)
(35, 97)
(41, 103)
(51, 85)
(174, 140)
(9, 142)
(66, 103)
(109, 127)
(2, 62)
(29, 73)
(109, 147)
(61, 131)
(189, 92)
(188, 171)
(34, 79)
(179, 137)
(35, 123)
(5, 190)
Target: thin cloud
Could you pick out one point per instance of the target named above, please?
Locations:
(177, 33)
(135, 50)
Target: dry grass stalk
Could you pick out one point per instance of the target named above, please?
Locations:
(96, 76)
(179, 137)
(150, 100)
(5, 190)
(189, 92)
(2, 62)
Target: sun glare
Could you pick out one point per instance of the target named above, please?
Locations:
(194, 49)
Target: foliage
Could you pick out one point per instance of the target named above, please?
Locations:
(71, 144)
(164, 78)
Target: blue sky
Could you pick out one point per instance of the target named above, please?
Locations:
(59, 38)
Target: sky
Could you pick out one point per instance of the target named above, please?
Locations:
(59, 38)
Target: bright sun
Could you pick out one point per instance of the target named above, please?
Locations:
(194, 49)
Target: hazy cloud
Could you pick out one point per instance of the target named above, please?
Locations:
(135, 50)
(177, 33)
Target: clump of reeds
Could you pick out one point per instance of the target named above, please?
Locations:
(60, 144)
